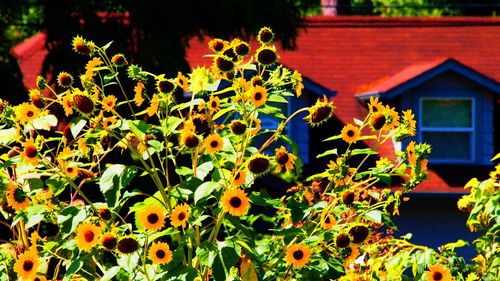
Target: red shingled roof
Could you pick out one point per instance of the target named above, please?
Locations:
(347, 54)
(30, 55)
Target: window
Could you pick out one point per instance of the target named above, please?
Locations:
(447, 124)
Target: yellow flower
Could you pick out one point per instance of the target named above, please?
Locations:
(213, 143)
(217, 45)
(67, 103)
(328, 221)
(80, 45)
(320, 112)
(410, 153)
(108, 241)
(350, 133)
(138, 98)
(214, 103)
(159, 253)
(108, 103)
(298, 255)
(70, 169)
(235, 202)
(392, 118)
(30, 153)
(265, 35)
(374, 105)
(438, 272)
(223, 63)
(180, 215)
(239, 178)
(119, 60)
(284, 159)
(87, 236)
(151, 217)
(258, 164)
(259, 96)
(64, 79)
(199, 80)
(16, 197)
(26, 265)
(182, 81)
(165, 86)
(26, 112)
(153, 106)
(266, 55)
(409, 119)
(82, 146)
(91, 65)
(108, 121)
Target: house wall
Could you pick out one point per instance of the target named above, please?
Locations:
(452, 85)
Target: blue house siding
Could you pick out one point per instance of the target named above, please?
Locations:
(451, 85)
(299, 130)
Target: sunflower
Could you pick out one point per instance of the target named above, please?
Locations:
(377, 120)
(70, 169)
(40, 278)
(165, 86)
(241, 48)
(217, 45)
(266, 55)
(83, 102)
(298, 255)
(36, 98)
(235, 202)
(409, 120)
(87, 236)
(182, 81)
(26, 265)
(30, 152)
(342, 240)
(213, 143)
(64, 79)
(320, 112)
(138, 98)
(67, 103)
(108, 121)
(16, 197)
(119, 60)
(82, 146)
(265, 35)
(91, 66)
(392, 117)
(214, 103)
(238, 127)
(223, 63)
(150, 217)
(108, 241)
(199, 79)
(359, 233)
(180, 215)
(159, 253)
(350, 133)
(258, 164)
(239, 178)
(410, 153)
(153, 106)
(438, 272)
(259, 96)
(108, 103)
(80, 45)
(374, 105)
(26, 112)
(328, 221)
(284, 159)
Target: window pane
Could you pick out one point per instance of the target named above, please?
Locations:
(453, 146)
(447, 113)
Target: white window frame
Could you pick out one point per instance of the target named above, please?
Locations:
(471, 130)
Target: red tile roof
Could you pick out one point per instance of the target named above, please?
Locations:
(347, 54)
(30, 55)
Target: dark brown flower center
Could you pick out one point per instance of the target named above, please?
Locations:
(257, 81)
(214, 104)
(128, 245)
(350, 133)
(153, 218)
(30, 151)
(218, 46)
(266, 36)
(437, 276)
(238, 127)
(258, 165)
(282, 158)
(182, 216)
(201, 126)
(109, 242)
(327, 220)
(298, 255)
(378, 121)
(267, 57)
(166, 86)
(342, 240)
(257, 96)
(214, 143)
(89, 236)
(237, 176)
(235, 202)
(82, 49)
(160, 254)
(119, 60)
(242, 49)
(321, 113)
(348, 197)
(83, 103)
(30, 113)
(359, 233)
(224, 64)
(105, 214)
(27, 265)
(191, 141)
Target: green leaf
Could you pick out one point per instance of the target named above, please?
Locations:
(204, 190)
(328, 152)
(69, 218)
(110, 77)
(35, 215)
(277, 98)
(262, 198)
(367, 151)
(333, 138)
(114, 179)
(45, 122)
(374, 216)
(203, 169)
(105, 47)
(73, 268)
(7, 135)
(229, 256)
(358, 122)
(76, 126)
(110, 273)
(298, 210)
(183, 171)
(495, 157)
(138, 127)
(222, 112)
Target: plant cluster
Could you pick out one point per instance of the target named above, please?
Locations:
(156, 182)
